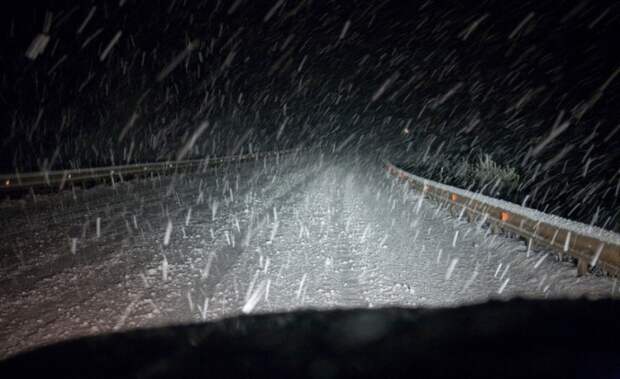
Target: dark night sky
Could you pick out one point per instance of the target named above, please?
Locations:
(492, 77)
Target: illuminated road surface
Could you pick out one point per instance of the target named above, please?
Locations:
(310, 231)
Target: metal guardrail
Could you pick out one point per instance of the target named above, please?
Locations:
(60, 178)
(583, 242)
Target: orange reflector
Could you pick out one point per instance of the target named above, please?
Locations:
(453, 197)
(503, 216)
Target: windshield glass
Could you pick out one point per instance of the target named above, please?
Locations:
(171, 162)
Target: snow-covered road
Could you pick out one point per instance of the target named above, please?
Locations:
(302, 231)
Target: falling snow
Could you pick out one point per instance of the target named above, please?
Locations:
(363, 240)
(518, 105)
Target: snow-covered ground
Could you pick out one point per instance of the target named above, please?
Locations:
(308, 231)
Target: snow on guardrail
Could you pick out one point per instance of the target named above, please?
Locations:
(590, 245)
(62, 177)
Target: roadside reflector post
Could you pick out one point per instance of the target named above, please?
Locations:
(503, 216)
